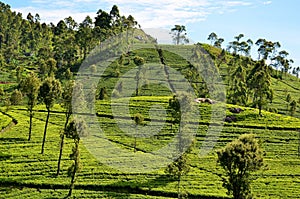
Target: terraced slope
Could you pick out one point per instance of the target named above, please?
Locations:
(24, 171)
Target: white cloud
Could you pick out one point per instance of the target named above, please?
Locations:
(54, 16)
(267, 2)
(149, 13)
(236, 3)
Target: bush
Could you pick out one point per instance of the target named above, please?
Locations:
(273, 110)
(16, 97)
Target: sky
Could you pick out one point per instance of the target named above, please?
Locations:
(273, 20)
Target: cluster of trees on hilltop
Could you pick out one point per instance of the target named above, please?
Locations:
(43, 57)
(267, 50)
(249, 81)
(67, 43)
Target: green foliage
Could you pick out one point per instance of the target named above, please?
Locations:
(103, 94)
(288, 98)
(259, 81)
(30, 168)
(238, 89)
(30, 87)
(75, 130)
(50, 91)
(2, 93)
(16, 97)
(293, 105)
(139, 61)
(68, 74)
(138, 119)
(179, 34)
(179, 106)
(239, 158)
(19, 71)
(140, 74)
(26, 45)
(177, 169)
(67, 96)
(174, 107)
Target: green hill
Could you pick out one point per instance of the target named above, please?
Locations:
(25, 172)
(157, 71)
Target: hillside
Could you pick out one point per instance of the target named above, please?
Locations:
(120, 78)
(25, 172)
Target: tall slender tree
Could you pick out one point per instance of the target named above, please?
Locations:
(75, 130)
(139, 62)
(293, 108)
(212, 37)
(238, 91)
(259, 81)
(138, 119)
(179, 34)
(85, 37)
(67, 104)
(288, 99)
(179, 106)
(49, 93)
(30, 87)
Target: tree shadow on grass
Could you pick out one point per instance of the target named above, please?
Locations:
(4, 156)
(13, 139)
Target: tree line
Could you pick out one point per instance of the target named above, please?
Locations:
(44, 57)
(67, 42)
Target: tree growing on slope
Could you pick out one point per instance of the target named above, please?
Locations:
(16, 97)
(179, 106)
(139, 62)
(67, 105)
(30, 87)
(238, 159)
(75, 130)
(49, 92)
(293, 107)
(138, 119)
(179, 34)
(288, 99)
(259, 81)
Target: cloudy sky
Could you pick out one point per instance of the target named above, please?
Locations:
(275, 20)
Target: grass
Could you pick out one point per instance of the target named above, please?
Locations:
(29, 169)
(24, 172)
(4, 121)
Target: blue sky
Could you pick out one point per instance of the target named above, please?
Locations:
(275, 20)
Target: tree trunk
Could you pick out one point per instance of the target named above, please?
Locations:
(45, 131)
(62, 144)
(260, 105)
(178, 186)
(75, 169)
(60, 152)
(134, 144)
(30, 124)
